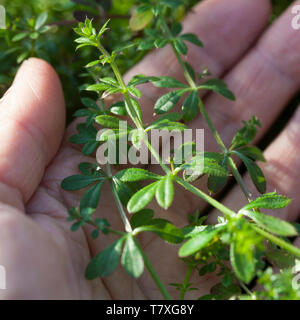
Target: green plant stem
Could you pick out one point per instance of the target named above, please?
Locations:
(122, 84)
(219, 206)
(279, 242)
(186, 282)
(154, 275)
(124, 218)
(205, 115)
(239, 179)
(212, 127)
(139, 125)
(168, 33)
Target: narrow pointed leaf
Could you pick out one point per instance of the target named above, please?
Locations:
(180, 46)
(271, 224)
(218, 86)
(136, 174)
(200, 241)
(255, 173)
(105, 262)
(190, 106)
(140, 199)
(165, 192)
(168, 82)
(132, 260)
(192, 38)
(141, 218)
(243, 264)
(91, 197)
(271, 200)
(164, 229)
(78, 181)
(167, 101)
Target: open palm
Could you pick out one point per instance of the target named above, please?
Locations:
(42, 257)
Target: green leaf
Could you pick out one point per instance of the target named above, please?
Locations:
(98, 87)
(160, 42)
(125, 190)
(252, 152)
(141, 218)
(255, 173)
(137, 110)
(167, 101)
(165, 124)
(105, 262)
(271, 224)
(132, 259)
(190, 106)
(93, 63)
(165, 192)
(134, 92)
(146, 44)
(140, 79)
(23, 56)
(20, 36)
(173, 4)
(87, 168)
(91, 197)
(118, 109)
(243, 264)
(136, 174)
(140, 20)
(192, 38)
(200, 241)
(176, 29)
(164, 229)
(269, 201)
(168, 82)
(90, 147)
(140, 199)
(109, 122)
(89, 103)
(216, 184)
(109, 81)
(173, 116)
(247, 133)
(41, 20)
(78, 181)
(211, 166)
(218, 86)
(180, 46)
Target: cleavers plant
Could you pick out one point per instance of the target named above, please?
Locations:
(249, 239)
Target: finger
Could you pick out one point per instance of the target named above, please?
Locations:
(227, 29)
(281, 170)
(264, 81)
(32, 123)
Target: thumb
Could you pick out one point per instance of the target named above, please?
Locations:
(32, 121)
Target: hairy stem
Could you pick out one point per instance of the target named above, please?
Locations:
(219, 206)
(186, 282)
(139, 125)
(153, 274)
(279, 242)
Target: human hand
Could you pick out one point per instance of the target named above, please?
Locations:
(42, 257)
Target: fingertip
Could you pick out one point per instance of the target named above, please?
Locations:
(37, 97)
